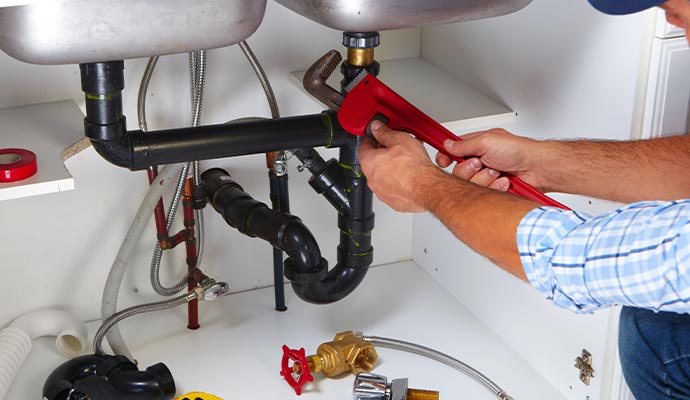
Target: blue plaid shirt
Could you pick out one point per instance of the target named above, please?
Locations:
(638, 255)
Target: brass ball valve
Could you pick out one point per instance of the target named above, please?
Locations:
(347, 352)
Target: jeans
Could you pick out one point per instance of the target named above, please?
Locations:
(655, 353)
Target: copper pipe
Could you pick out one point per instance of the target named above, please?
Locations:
(159, 211)
(178, 238)
(271, 160)
(190, 246)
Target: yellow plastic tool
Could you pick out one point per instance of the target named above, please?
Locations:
(198, 396)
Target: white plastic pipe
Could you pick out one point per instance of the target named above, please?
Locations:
(15, 340)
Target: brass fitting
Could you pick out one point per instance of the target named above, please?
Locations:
(417, 394)
(346, 353)
(360, 57)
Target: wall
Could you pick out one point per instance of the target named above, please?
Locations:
(568, 72)
(58, 248)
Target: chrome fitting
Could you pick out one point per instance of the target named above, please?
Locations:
(212, 290)
(280, 167)
(370, 386)
(361, 40)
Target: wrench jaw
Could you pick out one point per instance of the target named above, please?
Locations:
(315, 78)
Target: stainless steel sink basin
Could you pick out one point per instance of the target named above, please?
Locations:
(78, 31)
(379, 15)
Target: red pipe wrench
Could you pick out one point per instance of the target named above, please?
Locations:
(368, 99)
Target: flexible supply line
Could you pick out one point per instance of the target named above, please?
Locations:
(126, 251)
(435, 355)
(174, 203)
(197, 83)
(143, 88)
(197, 60)
(157, 256)
(15, 340)
(265, 84)
(111, 321)
(209, 289)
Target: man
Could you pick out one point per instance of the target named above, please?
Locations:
(637, 256)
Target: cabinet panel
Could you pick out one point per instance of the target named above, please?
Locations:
(664, 30)
(666, 110)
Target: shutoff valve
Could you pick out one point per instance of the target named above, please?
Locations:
(346, 353)
(375, 387)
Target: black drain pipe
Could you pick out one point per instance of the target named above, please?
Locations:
(345, 187)
(342, 183)
(256, 219)
(106, 377)
(106, 126)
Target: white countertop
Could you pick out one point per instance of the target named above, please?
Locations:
(237, 351)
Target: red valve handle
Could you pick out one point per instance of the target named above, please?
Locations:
(300, 367)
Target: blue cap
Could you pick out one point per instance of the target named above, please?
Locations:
(621, 7)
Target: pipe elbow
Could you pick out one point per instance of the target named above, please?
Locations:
(116, 153)
(297, 241)
(70, 331)
(328, 287)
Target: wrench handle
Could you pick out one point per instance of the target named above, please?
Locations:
(371, 99)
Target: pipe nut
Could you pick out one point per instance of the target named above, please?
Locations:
(361, 40)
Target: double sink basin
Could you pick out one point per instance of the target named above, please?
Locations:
(80, 31)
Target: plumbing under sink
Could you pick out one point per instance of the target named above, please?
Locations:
(379, 15)
(80, 31)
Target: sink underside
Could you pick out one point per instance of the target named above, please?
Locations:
(379, 15)
(80, 31)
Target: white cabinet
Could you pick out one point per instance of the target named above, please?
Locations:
(577, 80)
(664, 30)
(668, 86)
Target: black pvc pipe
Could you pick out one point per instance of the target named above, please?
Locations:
(327, 178)
(105, 125)
(280, 201)
(237, 139)
(106, 377)
(254, 218)
(356, 221)
(341, 182)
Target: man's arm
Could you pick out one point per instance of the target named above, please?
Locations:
(403, 176)
(638, 255)
(654, 169)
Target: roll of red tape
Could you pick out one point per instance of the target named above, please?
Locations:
(17, 164)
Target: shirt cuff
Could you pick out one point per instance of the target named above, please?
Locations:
(538, 235)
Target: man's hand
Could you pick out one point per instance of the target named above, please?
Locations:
(398, 168)
(488, 152)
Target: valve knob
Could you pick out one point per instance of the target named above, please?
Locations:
(297, 374)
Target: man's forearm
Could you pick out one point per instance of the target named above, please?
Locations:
(484, 219)
(655, 169)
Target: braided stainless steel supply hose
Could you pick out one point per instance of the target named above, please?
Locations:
(143, 88)
(263, 79)
(211, 290)
(197, 84)
(197, 75)
(435, 355)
